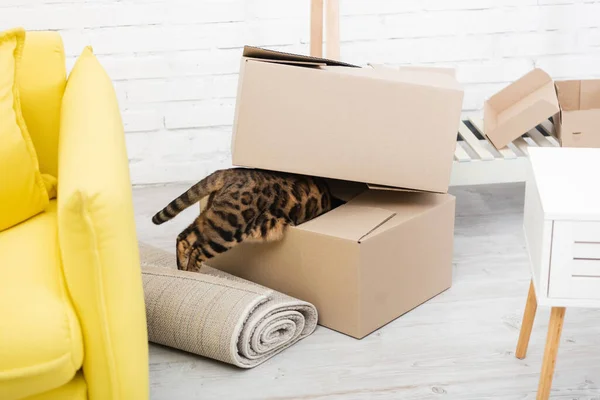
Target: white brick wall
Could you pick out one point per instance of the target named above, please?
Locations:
(174, 62)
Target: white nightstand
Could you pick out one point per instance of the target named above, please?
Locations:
(562, 231)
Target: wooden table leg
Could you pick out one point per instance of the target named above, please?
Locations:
(527, 324)
(557, 317)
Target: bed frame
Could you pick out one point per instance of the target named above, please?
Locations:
(476, 160)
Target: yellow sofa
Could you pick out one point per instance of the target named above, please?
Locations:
(72, 320)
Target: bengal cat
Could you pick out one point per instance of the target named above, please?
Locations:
(244, 205)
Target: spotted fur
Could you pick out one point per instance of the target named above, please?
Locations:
(244, 205)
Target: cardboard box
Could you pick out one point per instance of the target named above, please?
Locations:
(532, 99)
(362, 264)
(320, 117)
(578, 122)
(519, 107)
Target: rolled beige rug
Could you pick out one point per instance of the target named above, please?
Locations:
(217, 315)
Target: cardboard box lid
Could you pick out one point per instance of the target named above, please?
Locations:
(519, 107)
(373, 212)
(405, 205)
(348, 221)
(283, 57)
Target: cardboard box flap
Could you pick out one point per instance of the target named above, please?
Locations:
(438, 70)
(568, 94)
(519, 89)
(519, 107)
(265, 54)
(405, 205)
(394, 189)
(589, 94)
(578, 94)
(413, 77)
(348, 222)
(290, 62)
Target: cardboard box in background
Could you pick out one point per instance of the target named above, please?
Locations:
(532, 99)
(578, 122)
(519, 107)
(362, 264)
(318, 117)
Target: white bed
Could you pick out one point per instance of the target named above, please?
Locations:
(476, 160)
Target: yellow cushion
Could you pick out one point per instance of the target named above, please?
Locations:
(40, 338)
(42, 79)
(74, 390)
(98, 237)
(22, 190)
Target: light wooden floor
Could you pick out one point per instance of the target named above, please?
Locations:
(460, 345)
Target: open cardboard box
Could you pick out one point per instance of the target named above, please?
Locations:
(363, 264)
(314, 116)
(578, 122)
(521, 106)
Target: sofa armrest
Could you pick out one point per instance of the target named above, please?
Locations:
(98, 238)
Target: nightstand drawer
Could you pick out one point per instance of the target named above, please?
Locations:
(575, 260)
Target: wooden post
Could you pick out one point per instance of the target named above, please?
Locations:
(332, 25)
(316, 28)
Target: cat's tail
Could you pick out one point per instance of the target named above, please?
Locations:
(205, 187)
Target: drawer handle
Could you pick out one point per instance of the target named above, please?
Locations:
(585, 250)
(585, 268)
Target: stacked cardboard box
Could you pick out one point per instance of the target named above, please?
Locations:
(574, 106)
(385, 138)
